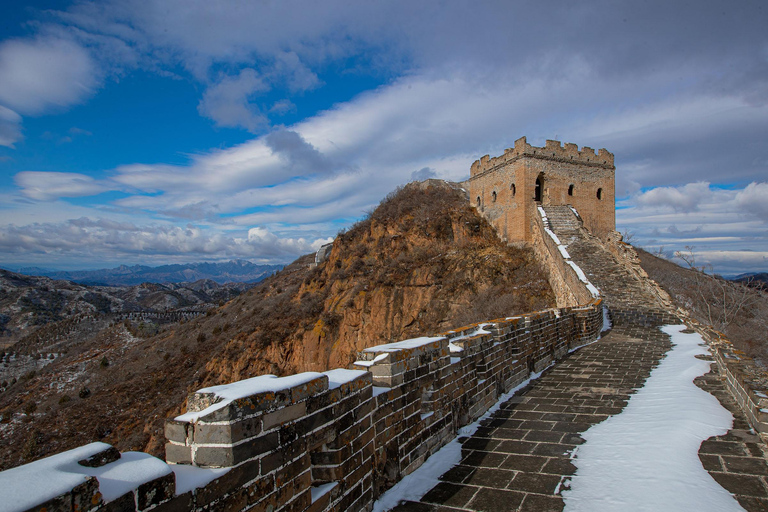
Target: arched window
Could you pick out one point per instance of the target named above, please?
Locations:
(570, 189)
(600, 194)
(512, 188)
(493, 196)
(478, 201)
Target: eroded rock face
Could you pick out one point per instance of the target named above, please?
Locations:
(422, 263)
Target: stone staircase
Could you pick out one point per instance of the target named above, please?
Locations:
(563, 221)
(628, 299)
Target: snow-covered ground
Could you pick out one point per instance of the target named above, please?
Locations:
(418, 483)
(646, 458)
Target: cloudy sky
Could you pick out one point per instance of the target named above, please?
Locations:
(149, 131)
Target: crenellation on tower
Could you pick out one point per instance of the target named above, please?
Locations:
(507, 188)
(552, 150)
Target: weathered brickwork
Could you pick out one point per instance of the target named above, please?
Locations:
(334, 441)
(505, 188)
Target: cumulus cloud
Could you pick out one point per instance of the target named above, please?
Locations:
(297, 75)
(754, 199)
(104, 239)
(228, 101)
(726, 227)
(45, 73)
(282, 107)
(683, 199)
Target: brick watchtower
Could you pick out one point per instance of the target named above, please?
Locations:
(508, 188)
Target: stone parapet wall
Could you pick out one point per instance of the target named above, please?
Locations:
(627, 257)
(334, 441)
(747, 382)
(568, 287)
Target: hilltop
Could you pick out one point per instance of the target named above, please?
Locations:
(423, 262)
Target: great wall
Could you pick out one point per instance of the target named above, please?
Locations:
(336, 440)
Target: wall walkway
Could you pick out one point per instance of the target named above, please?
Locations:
(520, 458)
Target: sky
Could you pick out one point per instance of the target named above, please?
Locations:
(153, 132)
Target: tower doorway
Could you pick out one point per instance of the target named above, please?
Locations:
(538, 190)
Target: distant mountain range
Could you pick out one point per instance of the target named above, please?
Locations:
(235, 271)
(754, 279)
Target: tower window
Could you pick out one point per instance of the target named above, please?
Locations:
(570, 189)
(512, 188)
(600, 193)
(493, 196)
(478, 201)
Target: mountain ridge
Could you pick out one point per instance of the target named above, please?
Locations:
(237, 271)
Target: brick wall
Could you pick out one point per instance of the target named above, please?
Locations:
(569, 290)
(336, 440)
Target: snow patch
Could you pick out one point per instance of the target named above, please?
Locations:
(418, 483)
(339, 377)
(607, 324)
(646, 458)
(193, 477)
(227, 393)
(405, 344)
(24, 487)
(318, 491)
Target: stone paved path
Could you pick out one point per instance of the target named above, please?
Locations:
(519, 458)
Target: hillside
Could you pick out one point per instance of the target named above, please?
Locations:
(424, 261)
(736, 309)
(30, 303)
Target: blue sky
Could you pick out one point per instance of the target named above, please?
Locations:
(171, 131)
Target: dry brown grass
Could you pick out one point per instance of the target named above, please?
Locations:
(739, 311)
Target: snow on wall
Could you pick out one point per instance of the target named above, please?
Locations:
(562, 248)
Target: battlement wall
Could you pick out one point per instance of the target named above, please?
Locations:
(552, 150)
(330, 441)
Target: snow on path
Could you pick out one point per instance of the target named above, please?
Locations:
(414, 486)
(646, 457)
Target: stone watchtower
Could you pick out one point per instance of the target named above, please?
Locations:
(508, 188)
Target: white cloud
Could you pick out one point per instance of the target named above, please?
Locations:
(41, 74)
(684, 199)
(100, 239)
(298, 76)
(49, 186)
(228, 101)
(726, 228)
(10, 127)
(754, 199)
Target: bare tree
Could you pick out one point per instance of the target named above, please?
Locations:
(718, 300)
